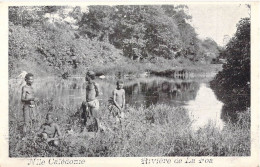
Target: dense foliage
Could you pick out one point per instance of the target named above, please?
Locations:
(62, 39)
(233, 82)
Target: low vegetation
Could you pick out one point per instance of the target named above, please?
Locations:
(159, 130)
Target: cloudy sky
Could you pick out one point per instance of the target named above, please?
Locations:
(215, 21)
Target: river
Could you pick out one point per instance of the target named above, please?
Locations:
(195, 95)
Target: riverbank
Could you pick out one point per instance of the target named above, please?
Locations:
(159, 130)
(124, 68)
(157, 68)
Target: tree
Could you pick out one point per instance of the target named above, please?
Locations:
(143, 31)
(52, 42)
(98, 22)
(232, 84)
(26, 15)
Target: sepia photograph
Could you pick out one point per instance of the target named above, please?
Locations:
(129, 80)
(177, 81)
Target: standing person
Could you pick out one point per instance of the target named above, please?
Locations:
(50, 131)
(118, 106)
(91, 106)
(28, 99)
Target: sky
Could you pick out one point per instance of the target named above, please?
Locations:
(215, 21)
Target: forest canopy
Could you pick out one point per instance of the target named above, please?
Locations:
(64, 38)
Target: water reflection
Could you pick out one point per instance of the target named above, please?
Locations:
(160, 90)
(196, 96)
(236, 99)
(205, 109)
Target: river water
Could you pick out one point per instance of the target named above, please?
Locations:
(193, 94)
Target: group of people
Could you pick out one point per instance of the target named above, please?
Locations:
(50, 131)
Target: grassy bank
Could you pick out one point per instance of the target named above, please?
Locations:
(158, 68)
(123, 66)
(155, 131)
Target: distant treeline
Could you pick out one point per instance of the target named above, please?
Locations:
(59, 38)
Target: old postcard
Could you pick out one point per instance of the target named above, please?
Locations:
(129, 84)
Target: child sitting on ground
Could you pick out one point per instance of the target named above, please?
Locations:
(50, 131)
